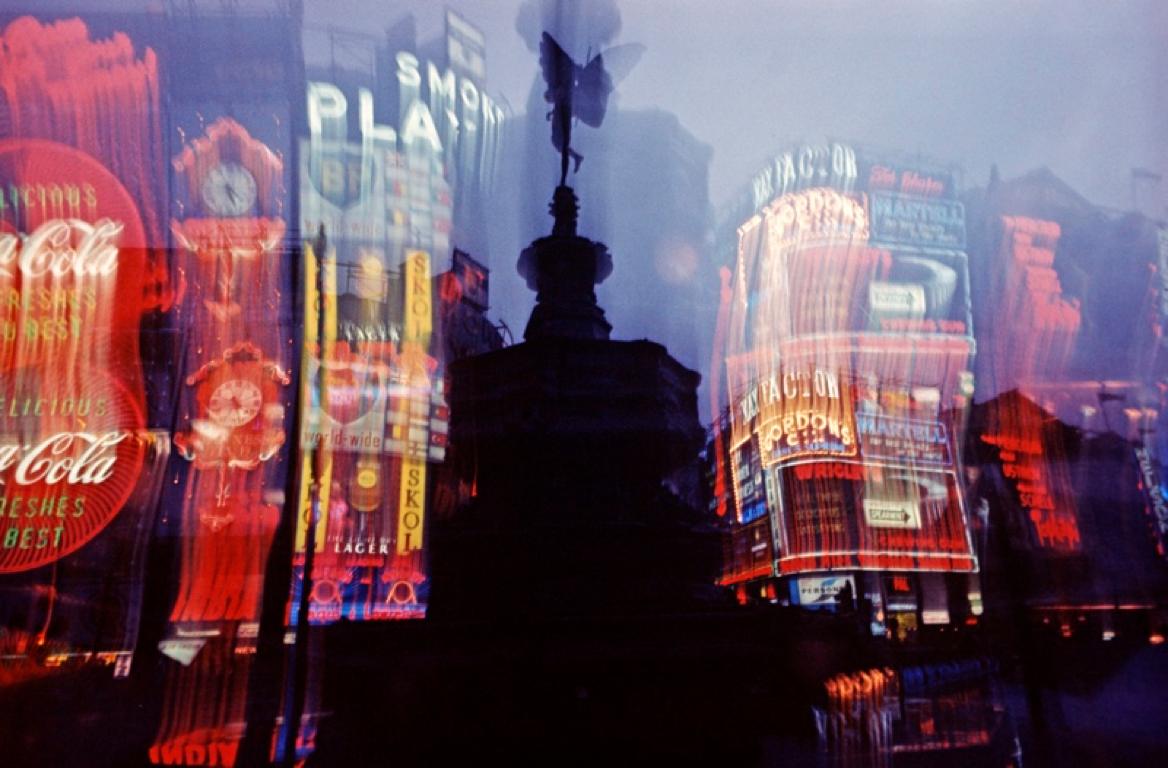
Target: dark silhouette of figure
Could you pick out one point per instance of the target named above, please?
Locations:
(846, 599)
(575, 91)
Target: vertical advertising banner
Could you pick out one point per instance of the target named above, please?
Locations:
(377, 201)
(371, 473)
(79, 242)
(229, 189)
(233, 95)
(392, 166)
(418, 326)
(1034, 330)
(231, 240)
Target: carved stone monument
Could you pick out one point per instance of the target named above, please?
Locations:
(570, 439)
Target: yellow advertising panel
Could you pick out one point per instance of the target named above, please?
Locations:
(418, 326)
(312, 327)
(411, 505)
(419, 309)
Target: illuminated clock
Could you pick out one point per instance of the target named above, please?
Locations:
(229, 190)
(235, 402)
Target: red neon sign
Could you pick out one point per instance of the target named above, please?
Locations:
(71, 257)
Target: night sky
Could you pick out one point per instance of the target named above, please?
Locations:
(1074, 85)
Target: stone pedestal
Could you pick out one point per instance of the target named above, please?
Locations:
(562, 269)
(568, 439)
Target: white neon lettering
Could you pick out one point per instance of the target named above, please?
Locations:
(60, 246)
(326, 109)
(442, 90)
(418, 125)
(78, 458)
(407, 69)
(370, 131)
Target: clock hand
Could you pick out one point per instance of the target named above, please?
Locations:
(231, 193)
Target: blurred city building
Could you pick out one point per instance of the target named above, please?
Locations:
(1066, 444)
(847, 343)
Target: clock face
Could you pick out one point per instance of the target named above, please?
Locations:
(235, 402)
(229, 190)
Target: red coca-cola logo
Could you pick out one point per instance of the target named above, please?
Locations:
(75, 458)
(59, 247)
(70, 455)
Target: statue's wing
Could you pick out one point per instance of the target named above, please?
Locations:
(620, 60)
(593, 87)
(595, 81)
(559, 71)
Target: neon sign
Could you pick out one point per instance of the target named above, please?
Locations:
(1042, 490)
(418, 326)
(62, 246)
(76, 458)
(187, 751)
(456, 101)
(71, 449)
(816, 214)
(1037, 341)
(798, 413)
(836, 368)
(1159, 507)
(850, 515)
(458, 123)
(59, 490)
(903, 439)
(909, 181)
(819, 165)
(932, 223)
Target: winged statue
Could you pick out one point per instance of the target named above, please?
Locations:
(582, 92)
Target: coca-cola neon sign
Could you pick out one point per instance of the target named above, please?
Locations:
(71, 393)
(59, 247)
(76, 458)
(67, 463)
